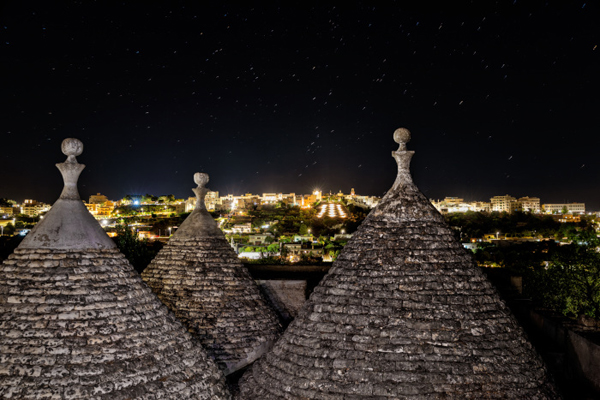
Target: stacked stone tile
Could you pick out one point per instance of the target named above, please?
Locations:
(403, 314)
(199, 276)
(77, 322)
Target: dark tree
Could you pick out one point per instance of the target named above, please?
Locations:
(570, 283)
(139, 252)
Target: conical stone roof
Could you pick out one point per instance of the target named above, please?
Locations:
(198, 276)
(403, 313)
(77, 322)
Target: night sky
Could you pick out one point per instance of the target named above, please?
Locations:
(501, 98)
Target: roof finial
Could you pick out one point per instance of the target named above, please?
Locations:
(201, 180)
(402, 156)
(402, 136)
(70, 169)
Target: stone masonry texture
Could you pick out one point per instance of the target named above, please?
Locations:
(83, 325)
(201, 279)
(403, 314)
(77, 322)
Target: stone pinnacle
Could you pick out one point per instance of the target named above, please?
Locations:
(201, 179)
(70, 169)
(403, 157)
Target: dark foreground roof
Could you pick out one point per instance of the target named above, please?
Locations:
(199, 276)
(403, 313)
(77, 322)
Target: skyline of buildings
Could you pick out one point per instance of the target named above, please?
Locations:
(507, 203)
(103, 208)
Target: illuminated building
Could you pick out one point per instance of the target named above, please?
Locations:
(92, 208)
(190, 204)
(317, 193)
(504, 203)
(211, 200)
(105, 209)
(481, 206)
(242, 228)
(6, 211)
(530, 204)
(451, 205)
(34, 208)
(571, 208)
(98, 199)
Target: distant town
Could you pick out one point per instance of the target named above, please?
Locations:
(297, 227)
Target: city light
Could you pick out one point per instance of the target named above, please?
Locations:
(332, 210)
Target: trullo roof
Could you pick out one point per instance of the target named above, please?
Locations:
(403, 314)
(77, 322)
(198, 276)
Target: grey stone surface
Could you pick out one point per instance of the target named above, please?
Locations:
(200, 278)
(286, 297)
(79, 323)
(403, 314)
(68, 224)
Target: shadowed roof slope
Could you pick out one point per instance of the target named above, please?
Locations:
(77, 322)
(403, 313)
(199, 276)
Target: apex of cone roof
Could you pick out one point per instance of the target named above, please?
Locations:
(199, 223)
(68, 224)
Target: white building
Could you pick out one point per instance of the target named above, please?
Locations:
(33, 208)
(504, 203)
(451, 205)
(6, 211)
(572, 208)
(211, 200)
(530, 204)
(242, 228)
(481, 206)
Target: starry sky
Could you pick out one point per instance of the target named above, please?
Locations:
(501, 97)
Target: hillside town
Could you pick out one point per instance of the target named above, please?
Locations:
(269, 224)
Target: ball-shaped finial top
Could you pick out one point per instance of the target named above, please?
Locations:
(201, 179)
(401, 135)
(71, 147)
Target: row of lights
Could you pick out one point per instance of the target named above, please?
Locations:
(332, 210)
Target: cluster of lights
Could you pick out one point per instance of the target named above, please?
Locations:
(341, 211)
(332, 211)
